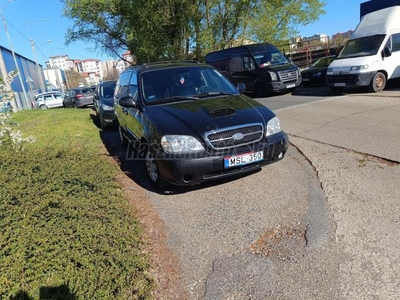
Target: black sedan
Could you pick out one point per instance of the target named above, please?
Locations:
(315, 74)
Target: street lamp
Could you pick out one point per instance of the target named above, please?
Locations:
(26, 102)
(44, 62)
(41, 79)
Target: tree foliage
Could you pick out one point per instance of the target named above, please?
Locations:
(183, 29)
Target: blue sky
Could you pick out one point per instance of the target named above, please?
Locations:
(41, 20)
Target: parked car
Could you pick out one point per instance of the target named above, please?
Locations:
(48, 100)
(262, 67)
(79, 97)
(191, 124)
(104, 103)
(316, 73)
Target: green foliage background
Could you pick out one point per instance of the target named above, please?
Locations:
(185, 29)
(67, 228)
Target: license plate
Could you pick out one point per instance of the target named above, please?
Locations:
(339, 84)
(243, 159)
(289, 86)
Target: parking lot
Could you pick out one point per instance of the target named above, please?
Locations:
(321, 224)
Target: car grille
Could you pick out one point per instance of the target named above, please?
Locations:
(286, 76)
(235, 136)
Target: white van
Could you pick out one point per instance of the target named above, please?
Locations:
(372, 55)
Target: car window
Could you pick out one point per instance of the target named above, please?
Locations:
(183, 81)
(87, 91)
(48, 97)
(122, 84)
(107, 91)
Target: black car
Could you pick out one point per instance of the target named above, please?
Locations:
(104, 103)
(315, 74)
(191, 124)
(79, 97)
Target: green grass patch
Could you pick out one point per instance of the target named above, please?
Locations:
(68, 231)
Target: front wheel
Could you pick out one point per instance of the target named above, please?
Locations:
(260, 90)
(152, 171)
(378, 82)
(43, 106)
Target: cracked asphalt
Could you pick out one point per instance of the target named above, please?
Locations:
(323, 223)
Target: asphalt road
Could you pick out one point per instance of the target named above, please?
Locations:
(323, 223)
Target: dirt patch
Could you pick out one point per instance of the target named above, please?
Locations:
(282, 243)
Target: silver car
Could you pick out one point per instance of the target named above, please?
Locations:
(48, 100)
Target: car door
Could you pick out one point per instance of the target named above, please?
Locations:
(122, 90)
(50, 100)
(393, 62)
(69, 96)
(134, 116)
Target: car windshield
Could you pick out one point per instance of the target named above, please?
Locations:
(270, 58)
(184, 83)
(368, 45)
(107, 91)
(323, 62)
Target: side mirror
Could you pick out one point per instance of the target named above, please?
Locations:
(241, 87)
(386, 52)
(127, 102)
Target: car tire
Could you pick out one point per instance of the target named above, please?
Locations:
(74, 105)
(260, 90)
(336, 89)
(43, 106)
(152, 171)
(101, 121)
(378, 82)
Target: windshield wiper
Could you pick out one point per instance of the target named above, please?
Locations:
(210, 94)
(174, 98)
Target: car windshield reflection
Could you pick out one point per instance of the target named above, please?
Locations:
(186, 83)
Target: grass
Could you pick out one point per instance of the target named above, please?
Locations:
(68, 231)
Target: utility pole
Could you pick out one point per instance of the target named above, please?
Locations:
(39, 73)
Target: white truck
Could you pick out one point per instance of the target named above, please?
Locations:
(372, 55)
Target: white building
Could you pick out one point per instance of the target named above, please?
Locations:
(55, 79)
(61, 61)
(89, 66)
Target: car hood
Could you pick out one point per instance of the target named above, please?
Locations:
(313, 70)
(108, 101)
(198, 116)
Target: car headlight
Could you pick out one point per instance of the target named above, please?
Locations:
(273, 126)
(273, 75)
(107, 107)
(359, 68)
(180, 143)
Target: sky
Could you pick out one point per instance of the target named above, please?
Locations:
(42, 21)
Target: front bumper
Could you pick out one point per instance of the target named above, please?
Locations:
(349, 80)
(194, 170)
(108, 116)
(278, 86)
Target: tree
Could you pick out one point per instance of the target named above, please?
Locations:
(182, 29)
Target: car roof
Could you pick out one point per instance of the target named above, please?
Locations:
(167, 64)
